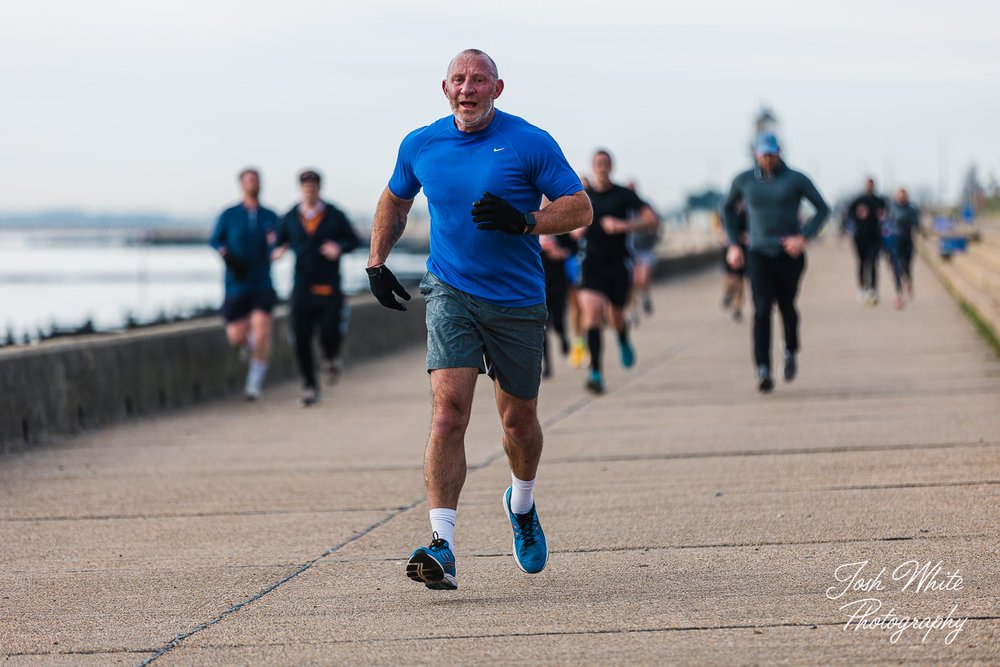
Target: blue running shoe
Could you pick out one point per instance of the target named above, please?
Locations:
(433, 566)
(531, 552)
(628, 354)
(594, 383)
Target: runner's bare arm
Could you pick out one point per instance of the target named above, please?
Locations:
(565, 214)
(388, 226)
(648, 220)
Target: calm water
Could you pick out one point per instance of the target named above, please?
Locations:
(63, 278)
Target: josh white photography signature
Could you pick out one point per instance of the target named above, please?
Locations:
(912, 576)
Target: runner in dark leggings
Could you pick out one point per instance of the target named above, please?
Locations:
(775, 261)
(867, 212)
(320, 234)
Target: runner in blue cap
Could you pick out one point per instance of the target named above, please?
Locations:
(775, 260)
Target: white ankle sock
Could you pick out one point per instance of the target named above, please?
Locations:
(256, 373)
(522, 495)
(443, 523)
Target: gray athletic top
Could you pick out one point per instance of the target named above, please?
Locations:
(905, 220)
(772, 204)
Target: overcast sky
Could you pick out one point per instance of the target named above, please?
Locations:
(115, 106)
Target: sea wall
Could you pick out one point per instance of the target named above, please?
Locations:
(64, 386)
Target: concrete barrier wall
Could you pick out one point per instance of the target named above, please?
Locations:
(61, 387)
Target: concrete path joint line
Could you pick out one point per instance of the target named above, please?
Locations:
(176, 641)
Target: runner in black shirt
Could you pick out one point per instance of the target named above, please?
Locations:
(606, 279)
(868, 211)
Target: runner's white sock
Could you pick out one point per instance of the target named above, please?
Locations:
(255, 376)
(443, 523)
(522, 495)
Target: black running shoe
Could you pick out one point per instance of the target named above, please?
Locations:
(765, 383)
(791, 366)
(308, 397)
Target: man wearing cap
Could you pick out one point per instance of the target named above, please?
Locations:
(484, 173)
(320, 234)
(775, 259)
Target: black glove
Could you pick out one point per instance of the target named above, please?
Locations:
(385, 287)
(492, 212)
(237, 266)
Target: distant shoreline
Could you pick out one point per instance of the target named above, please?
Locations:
(415, 241)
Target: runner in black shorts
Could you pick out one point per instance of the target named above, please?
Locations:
(733, 283)
(606, 278)
(243, 236)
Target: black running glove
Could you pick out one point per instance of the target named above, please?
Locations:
(492, 212)
(385, 287)
(238, 267)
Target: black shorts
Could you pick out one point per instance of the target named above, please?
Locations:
(609, 277)
(238, 306)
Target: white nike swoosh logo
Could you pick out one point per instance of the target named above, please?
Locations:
(497, 150)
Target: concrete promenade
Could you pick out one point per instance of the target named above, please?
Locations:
(692, 521)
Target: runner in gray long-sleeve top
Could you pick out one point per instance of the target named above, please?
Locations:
(776, 258)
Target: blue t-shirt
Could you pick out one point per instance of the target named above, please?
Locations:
(511, 159)
(244, 236)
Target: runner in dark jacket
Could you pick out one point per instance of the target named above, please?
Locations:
(772, 194)
(319, 234)
(867, 212)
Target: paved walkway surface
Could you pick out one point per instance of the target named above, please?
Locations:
(692, 521)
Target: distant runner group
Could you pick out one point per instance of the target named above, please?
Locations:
(249, 237)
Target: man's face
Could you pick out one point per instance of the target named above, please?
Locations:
(471, 89)
(602, 167)
(310, 190)
(869, 187)
(901, 197)
(250, 182)
(768, 161)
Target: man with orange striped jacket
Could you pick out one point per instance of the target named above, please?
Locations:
(319, 233)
